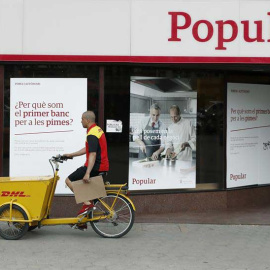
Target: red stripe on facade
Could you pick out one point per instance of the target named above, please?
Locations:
(132, 59)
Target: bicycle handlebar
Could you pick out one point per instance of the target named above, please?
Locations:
(65, 158)
(56, 160)
(60, 158)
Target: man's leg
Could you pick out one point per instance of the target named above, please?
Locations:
(69, 184)
(75, 176)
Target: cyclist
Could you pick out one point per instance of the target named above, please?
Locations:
(97, 162)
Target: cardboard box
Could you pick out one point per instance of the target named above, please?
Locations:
(89, 191)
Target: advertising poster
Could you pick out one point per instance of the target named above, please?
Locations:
(162, 137)
(45, 120)
(248, 134)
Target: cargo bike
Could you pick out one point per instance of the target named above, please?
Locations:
(25, 204)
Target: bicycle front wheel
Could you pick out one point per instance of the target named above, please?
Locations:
(13, 230)
(119, 222)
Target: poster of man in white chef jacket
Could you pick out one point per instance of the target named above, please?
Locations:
(162, 141)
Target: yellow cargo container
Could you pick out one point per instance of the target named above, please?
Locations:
(33, 193)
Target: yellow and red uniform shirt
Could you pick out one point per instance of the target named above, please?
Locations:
(96, 142)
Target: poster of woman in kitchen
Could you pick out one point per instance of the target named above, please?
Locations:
(162, 139)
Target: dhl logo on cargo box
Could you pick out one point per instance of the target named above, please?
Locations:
(13, 194)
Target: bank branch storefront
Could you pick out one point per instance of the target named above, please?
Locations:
(181, 89)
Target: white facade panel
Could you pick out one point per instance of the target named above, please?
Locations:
(11, 26)
(135, 28)
(68, 27)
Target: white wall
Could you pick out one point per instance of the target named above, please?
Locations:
(11, 26)
(126, 27)
(76, 27)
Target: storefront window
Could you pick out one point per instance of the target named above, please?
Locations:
(199, 94)
(129, 92)
(90, 72)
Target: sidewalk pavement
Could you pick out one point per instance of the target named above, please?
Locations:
(156, 246)
(244, 216)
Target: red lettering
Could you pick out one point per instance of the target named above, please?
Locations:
(221, 38)
(258, 37)
(5, 193)
(14, 193)
(227, 31)
(174, 24)
(210, 31)
(22, 194)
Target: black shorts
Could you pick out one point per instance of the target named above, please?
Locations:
(80, 172)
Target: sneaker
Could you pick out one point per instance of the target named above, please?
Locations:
(85, 208)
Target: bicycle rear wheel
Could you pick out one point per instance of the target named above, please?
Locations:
(13, 230)
(119, 223)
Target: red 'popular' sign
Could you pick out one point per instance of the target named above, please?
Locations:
(221, 24)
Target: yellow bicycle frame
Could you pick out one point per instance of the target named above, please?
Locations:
(111, 189)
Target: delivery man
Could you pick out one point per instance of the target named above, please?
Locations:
(96, 163)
